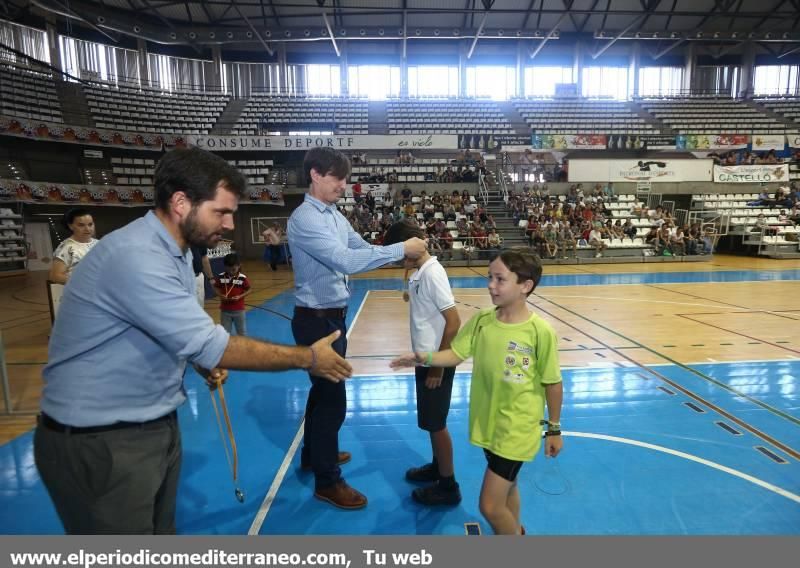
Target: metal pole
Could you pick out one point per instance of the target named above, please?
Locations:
(4, 373)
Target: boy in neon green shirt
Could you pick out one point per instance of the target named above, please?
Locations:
(515, 372)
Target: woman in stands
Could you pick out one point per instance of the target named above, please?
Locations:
(72, 250)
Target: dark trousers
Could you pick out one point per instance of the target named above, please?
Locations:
(122, 481)
(327, 402)
(275, 255)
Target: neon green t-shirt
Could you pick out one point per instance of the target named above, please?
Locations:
(512, 363)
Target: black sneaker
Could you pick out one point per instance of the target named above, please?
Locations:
(424, 474)
(433, 495)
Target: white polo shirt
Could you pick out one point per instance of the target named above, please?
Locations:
(430, 294)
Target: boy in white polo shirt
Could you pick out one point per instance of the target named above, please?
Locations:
(434, 323)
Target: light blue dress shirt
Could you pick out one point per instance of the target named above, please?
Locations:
(325, 250)
(127, 325)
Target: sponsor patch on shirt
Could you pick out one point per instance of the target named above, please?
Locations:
(511, 360)
(514, 346)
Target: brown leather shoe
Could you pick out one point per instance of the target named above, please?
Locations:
(341, 495)
(341, 459)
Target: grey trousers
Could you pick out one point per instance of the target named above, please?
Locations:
(230, 318)
(121, 481)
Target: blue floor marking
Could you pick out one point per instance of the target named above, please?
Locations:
(612, 488)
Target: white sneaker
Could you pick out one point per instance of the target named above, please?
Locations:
(598, 255)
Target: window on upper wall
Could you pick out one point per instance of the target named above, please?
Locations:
(323, 80)
(542, 81)
(433, 81)
(492, 81)
(776, 80)
(605, 82)
(655, 81)
(373, 81)
(30, 41)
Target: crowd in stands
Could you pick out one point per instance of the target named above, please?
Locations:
(451, 221)
(747, 158)
(558, 228)
(467, 167)
(786, 197)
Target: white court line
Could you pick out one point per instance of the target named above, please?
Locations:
(261, 514)
(785, 360)
(754, 480)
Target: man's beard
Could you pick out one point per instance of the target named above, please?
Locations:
(194, 235)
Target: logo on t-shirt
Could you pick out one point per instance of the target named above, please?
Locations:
(526, 362)
(511, 360)
(514, 346)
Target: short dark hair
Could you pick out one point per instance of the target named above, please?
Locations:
(326, 161)
(197, 173)
(69, 216)
(401, 231)
(526, 265)
(231, 259)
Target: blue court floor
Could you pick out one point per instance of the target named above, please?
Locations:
(638, 459)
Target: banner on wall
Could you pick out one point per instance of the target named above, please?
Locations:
(569, 141)
(651, 170)
(712, 141)
(766, 142)
(763, 173)
(492, 142)
(342, 142)
(57, 132)
(640, 142)
(379, 190)
(68, 194)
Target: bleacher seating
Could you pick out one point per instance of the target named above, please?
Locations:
(153, 111)
(582, 117)
(133, 171)
(450, 116)
(788, 108)
(27, 94)
(281, 114)
(711, 115)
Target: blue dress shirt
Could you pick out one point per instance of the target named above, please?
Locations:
(325, 250)
(127, 325)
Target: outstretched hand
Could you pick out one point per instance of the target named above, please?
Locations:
(407, 360)
(328, 363)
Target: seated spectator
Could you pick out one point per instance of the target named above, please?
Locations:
(405, 193)
(609, 193)
(551, 241)
(495, 240)
(678, 243)
(357, 192)
(664, 239)
(462, 227)
(566, 240)
(652, 238)
(446, 242)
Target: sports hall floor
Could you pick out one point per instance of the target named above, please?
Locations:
(681, 413)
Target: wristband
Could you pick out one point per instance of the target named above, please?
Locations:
(313, 358)
(552, 433)
(429, 360)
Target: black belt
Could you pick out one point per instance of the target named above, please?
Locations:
(326, 313)
(57, 426)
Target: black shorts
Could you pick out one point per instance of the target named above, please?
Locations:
(433, 405)
(505, 468)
